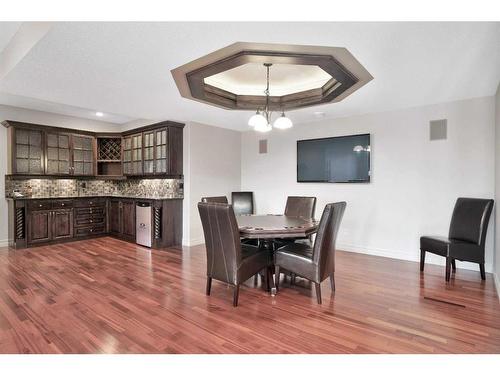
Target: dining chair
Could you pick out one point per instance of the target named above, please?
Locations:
(466, 237)
(314, 263)
(221, 199)
(242, 202)
(300, 207)
(229, 260)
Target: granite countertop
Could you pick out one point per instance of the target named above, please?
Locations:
(96, 196)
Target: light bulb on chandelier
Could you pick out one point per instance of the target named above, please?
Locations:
(261, 121)
(282, 122)
(257, 119)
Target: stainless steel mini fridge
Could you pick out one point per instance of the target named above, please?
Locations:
(143, 231)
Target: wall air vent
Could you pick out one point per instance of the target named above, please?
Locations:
(263, 146)
(438, 129)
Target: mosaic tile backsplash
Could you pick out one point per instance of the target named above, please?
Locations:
(53, 188)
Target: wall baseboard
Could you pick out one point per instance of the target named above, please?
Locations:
(497, 284)
(430, 258)
(193, 241)
(4, 243)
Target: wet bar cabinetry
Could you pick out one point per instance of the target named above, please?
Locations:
(122, 218)
(48, 221)
(35, 222)
(90, 217)
(39, 150)
(69, 154)
(26, 151)
(155, 151)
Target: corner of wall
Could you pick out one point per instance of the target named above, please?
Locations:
(496, 257)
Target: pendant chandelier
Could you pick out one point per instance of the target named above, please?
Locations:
(261, 121)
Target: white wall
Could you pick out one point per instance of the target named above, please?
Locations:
(37, 117)
(497, 190)
(212, 166)
(415, 182)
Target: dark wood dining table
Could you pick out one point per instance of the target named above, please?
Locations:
(270, 227)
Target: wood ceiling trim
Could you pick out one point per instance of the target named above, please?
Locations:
(343, 81)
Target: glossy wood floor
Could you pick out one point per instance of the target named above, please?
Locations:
(109, 296)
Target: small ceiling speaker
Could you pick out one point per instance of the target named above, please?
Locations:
(438, 129)
(263, 146)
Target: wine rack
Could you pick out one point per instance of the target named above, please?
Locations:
(110, 149)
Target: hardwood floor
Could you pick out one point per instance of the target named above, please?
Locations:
(109, 296)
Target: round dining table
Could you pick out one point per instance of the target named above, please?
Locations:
(270, 227)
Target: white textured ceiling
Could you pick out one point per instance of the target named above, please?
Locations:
(124, 68)
(7, 31)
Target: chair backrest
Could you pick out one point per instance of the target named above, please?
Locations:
(300, 207)
(242, 202)
(324, 244)
(470, 218)
(222, 240)
(221, 199)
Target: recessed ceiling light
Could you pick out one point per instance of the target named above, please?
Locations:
(99, 114)
(319, 114)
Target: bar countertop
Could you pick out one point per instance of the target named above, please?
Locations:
(94, 197)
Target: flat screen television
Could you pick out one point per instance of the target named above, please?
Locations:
(335, 159)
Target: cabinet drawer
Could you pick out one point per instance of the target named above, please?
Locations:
(85, 220)
(39, 205)
(89, 230)
(90, 202)
(94, 211)
(62, 204)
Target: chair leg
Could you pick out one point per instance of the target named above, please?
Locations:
(209, 285)
(318, 292)
(332, 281)
(236, 292)
(277, 277)
(483, 273)
(448, 269)
(266, 279)
(453, 266)
(292, 279)
(256, 279)
(422, 260)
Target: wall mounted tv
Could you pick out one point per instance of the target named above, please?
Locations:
(335, 159)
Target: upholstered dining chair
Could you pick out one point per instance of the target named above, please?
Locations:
(242, 202)
(227, 259)
(221, 199)
(300, 207)
(314, 263)
(466, 238)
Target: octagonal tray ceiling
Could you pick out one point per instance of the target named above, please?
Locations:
(234, 77)
(285, 79)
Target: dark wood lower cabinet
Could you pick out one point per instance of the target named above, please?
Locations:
(90, 217)
(114, 217)
(128, 219)
(39, 227)
(45, 226)
(44, 221)
(62, 224)
(122, 218)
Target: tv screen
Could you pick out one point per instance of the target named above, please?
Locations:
(336, 159)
